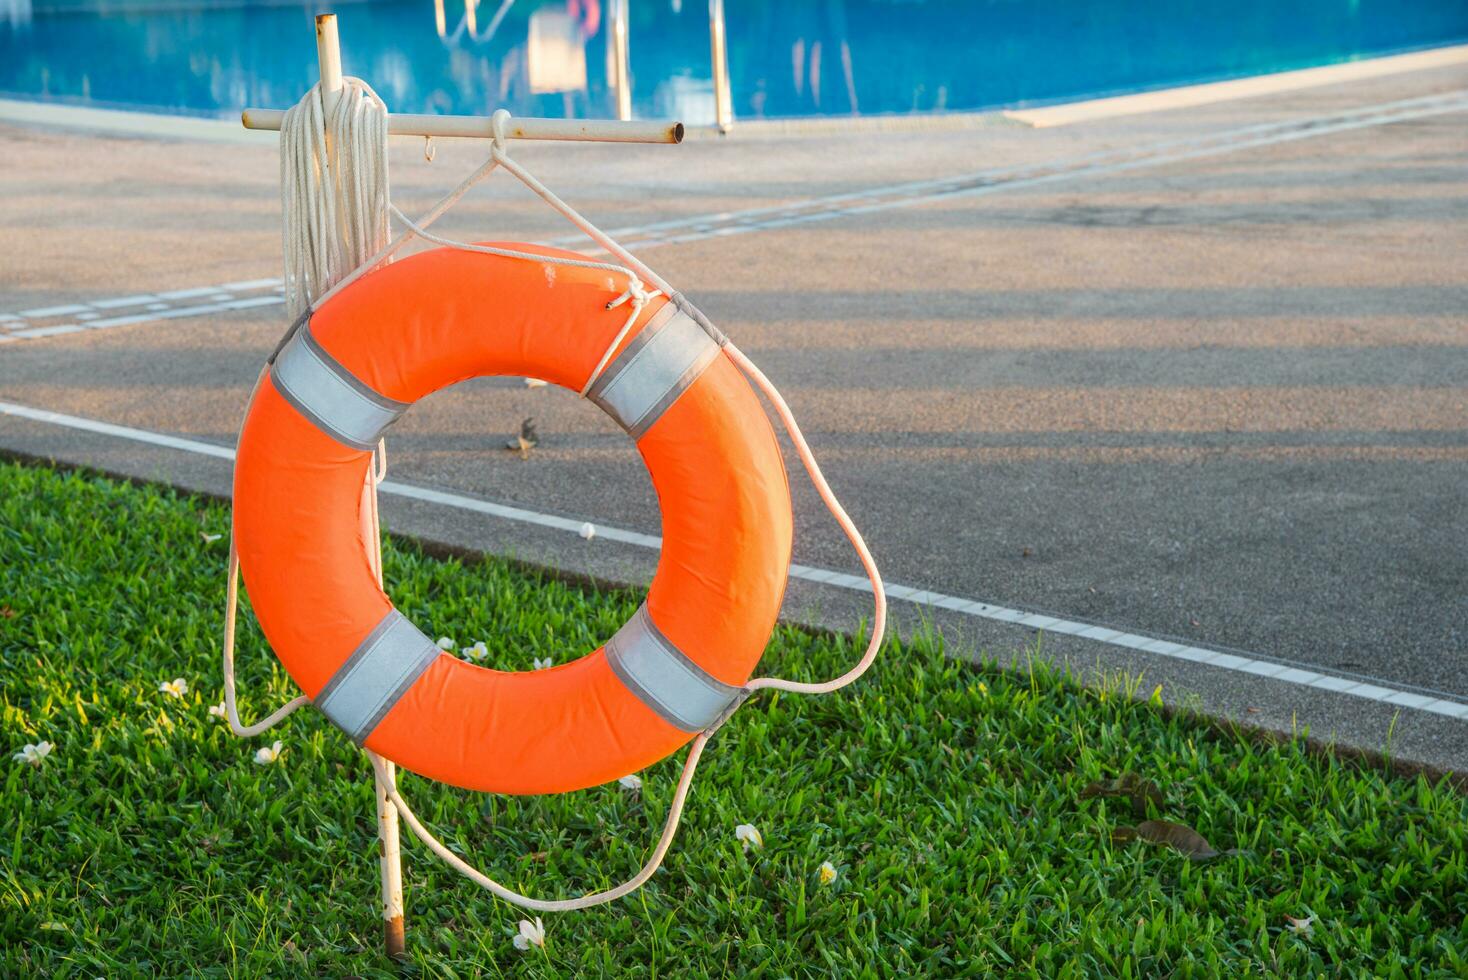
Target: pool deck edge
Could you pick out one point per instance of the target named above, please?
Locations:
(126, 122)
(1187, 96)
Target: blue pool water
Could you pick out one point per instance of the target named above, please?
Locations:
(787, 57)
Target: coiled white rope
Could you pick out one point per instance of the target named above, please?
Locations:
(315, 274)
(334, 188)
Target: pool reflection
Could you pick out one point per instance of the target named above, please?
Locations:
(808, 57)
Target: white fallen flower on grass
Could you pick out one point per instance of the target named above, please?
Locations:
(1301, 927)
(175, 688)
(531, 934)
(445, 643)
(268, 754)
(750, 836)
(588, 531)
(209, 538)
(827, 873)
(218, 711)
(33, 755)
(543, 664)
(633, 784)
(475, 653)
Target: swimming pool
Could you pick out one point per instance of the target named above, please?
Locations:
(791, 58)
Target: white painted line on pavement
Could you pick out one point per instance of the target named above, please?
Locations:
(120, 301)
(250, 285)
(117, 431)
(52, 311)
(1354, 687)
(519, 514)
(52, 331)
(148, 308)
(245, 304)
(191, 293)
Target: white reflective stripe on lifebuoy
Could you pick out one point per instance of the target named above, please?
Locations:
(664, 678)
(658, 366)
(328, 395)
(376, 675)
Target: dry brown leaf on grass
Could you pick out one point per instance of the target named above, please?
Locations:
(1183, 839)
(1135, 788)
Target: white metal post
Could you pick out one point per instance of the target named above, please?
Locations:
(390, 862)
(390, 858)
(719, 56)
(620, 74)
(329, 57)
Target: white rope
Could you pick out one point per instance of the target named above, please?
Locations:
(511, 253)
(634, 270)
(828, 497)
(231, 612)
(665, 840)
(680, 794)
(392, 248)
(231, 604)
(334, 188)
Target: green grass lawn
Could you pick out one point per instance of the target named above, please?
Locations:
(948, 797)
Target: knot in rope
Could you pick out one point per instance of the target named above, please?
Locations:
(637, 292)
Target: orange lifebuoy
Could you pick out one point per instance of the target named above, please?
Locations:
(355, 365)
